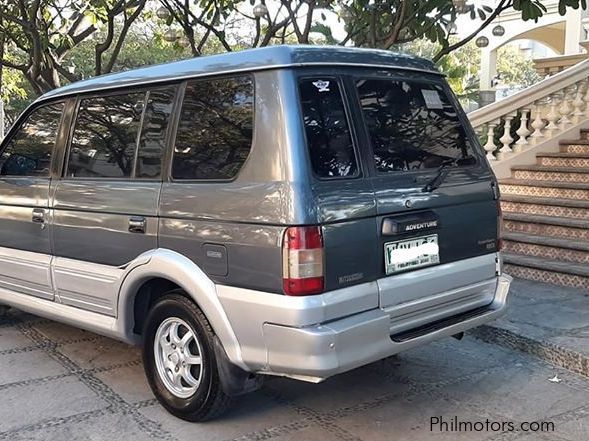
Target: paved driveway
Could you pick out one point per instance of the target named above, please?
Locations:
(60, 383)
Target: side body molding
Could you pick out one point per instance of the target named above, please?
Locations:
(167, 264)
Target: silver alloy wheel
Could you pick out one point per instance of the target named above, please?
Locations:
(178, 357)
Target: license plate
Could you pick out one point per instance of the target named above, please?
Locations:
(413, 253)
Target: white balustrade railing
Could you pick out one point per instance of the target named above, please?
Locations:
(535, 114)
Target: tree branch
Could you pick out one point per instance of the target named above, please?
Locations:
(502, 6)
(10, 65)
(119, 44)
(398, 25)
(211, 27)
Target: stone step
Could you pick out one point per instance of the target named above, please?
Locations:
(572, 208)
(552, 226)
(569, 250)
(545, 189)
(583, 140)
(547, 270)
(547, 173)
(563, 159)
(576, 147)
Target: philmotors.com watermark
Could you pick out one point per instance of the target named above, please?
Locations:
(455, 424)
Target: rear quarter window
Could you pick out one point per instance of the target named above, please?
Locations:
(326, 127)
(412, 125)
(215, 132)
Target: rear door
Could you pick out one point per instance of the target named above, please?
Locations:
(434, 191)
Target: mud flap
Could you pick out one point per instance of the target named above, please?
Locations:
(234, 380)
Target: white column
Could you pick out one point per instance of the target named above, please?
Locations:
(488, 67)
(488, 71)
(573, 31)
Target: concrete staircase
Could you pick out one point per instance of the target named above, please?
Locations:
(546, 216)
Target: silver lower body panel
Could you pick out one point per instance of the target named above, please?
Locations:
(317, 352)
(315, 337)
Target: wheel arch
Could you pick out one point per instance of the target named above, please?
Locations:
(170, 269)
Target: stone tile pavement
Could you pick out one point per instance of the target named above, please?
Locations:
(61, 383)
(548, 321)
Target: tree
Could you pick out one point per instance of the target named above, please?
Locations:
(44, 35)
(386, 23)
(45, 31)
(515, 70)
(222, 20)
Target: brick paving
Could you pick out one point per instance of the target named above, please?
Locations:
(61, 383)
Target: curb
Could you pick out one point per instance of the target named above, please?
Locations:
(556, 355)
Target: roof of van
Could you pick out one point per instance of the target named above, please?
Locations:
(270, 57)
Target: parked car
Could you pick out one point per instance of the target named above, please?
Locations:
(293, 211)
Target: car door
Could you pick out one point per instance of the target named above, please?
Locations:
(25, 177)
(106, 203)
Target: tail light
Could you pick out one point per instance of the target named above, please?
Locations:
(302, 260)
(499, 226)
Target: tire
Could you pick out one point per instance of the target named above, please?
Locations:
(172, 378)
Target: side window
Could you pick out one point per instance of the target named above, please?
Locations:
(105, 136)
(152, 142)
(29, 151)
(216, 127)
(326, 126)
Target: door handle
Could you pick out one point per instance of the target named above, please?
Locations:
(137, 224)
(38, 216)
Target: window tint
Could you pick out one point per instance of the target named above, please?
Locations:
(328, 135)
(105, 136)
(29, 151)
(215, 132)
(153, 133)
(412, 125)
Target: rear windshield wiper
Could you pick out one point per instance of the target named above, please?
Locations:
(443, 171)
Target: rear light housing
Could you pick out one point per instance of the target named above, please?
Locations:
(499, 226)
(302, 261)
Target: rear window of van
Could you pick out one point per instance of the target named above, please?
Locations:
(412, 125)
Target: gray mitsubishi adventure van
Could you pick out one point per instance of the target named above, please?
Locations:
(293, 211)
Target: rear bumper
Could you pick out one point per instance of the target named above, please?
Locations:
(318, 352)
(315, 337)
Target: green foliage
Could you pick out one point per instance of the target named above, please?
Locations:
(534, 9)
(515, 69)
(142, 47)
(385, 23)
(53, 42)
